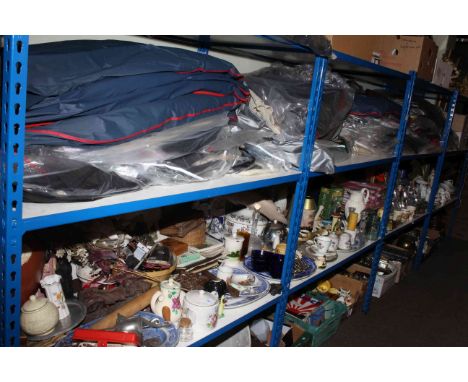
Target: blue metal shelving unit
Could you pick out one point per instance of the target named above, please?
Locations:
(14, 224)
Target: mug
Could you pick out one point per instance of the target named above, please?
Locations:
(345, 241)
(322, 243)
(218, 286)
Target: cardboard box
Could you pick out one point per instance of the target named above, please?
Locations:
(442, 73)
(382, 283)
(356, 287)
(402, 53)
(406, 53)
(460, 122)
(357, 46)
(460, 127)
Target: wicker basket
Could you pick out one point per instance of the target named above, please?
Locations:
(160, 275)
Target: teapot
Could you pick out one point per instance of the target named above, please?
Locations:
(358, 201)
(167, 301)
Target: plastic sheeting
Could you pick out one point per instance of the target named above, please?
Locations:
(320, 45)
(200, 150)
(287, 90)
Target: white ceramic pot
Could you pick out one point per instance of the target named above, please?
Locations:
(38, 316)
(202, 309)
(242, 221)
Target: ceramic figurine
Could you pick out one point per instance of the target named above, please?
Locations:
(357, 200)
(54, 293)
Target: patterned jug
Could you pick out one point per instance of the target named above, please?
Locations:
(166, 302)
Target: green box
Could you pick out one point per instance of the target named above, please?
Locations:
(317, 335)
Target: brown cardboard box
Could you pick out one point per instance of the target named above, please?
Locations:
(406, 53)
(460, 127)
(460, 122)
(382, 283)
(402, 53)
(356, 287)
(442, 73)
(357, 46)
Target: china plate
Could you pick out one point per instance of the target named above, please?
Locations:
(165, 337)
(259, 289)
(311, 267)
(329, 257)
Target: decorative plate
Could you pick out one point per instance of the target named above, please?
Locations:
(161, 337)
(311, 267)
(249, 294)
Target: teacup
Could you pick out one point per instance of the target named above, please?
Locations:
(322, 244)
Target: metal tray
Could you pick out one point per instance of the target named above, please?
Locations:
(77, 314)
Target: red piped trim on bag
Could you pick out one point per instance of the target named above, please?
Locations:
(155, 127)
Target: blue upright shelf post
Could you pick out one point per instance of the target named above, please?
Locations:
(313, 114)
(460, 186)
(390, 188)
(15, 68)
(435, 182)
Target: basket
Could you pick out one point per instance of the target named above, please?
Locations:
(319, 334)
(160, 275)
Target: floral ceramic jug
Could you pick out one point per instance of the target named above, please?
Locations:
(166, 302)
(358, 201)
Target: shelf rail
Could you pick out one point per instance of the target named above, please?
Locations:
(313, 114)
(390, 188)
(14, 84)
(435, 183)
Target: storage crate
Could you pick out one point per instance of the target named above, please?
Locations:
(319, 334)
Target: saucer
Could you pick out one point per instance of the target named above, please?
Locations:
(329, 256)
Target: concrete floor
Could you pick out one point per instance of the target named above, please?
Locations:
(428, 308)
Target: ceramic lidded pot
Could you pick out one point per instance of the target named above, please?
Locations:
(202, 309)
(38, 316)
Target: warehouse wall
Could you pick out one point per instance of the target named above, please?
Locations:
(244, 65)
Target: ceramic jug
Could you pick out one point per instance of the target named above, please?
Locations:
(167, 301)
(357, 200)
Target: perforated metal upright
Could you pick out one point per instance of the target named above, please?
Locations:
(390, 188)
(313, 114)
(435, 182)
(14, 83)
(460, 187)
